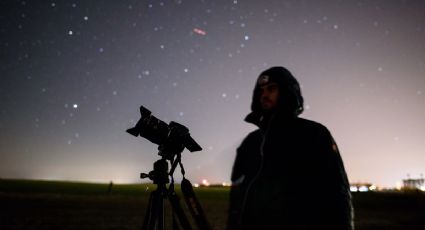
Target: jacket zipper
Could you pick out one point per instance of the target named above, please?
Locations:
(261, 166)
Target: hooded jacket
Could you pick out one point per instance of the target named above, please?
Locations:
(288, 174)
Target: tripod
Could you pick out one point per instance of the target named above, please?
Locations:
(155, 214)
(171, 139)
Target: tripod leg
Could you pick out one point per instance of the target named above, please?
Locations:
(148, 214)
(178, 211)
(175, 223)
(154, 215)
(161, 212)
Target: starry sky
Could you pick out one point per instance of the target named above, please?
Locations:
(74, 73)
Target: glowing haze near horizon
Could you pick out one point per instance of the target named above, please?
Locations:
(74, 73)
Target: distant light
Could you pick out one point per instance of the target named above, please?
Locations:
(399, 185)
(353, 189)
(422, 188)
(205, 182)
(196, 185)
(363, 189)
(246, 37)
(225, 184)
(372, 188)
(75, 106)
(70, 32)
(86, 18)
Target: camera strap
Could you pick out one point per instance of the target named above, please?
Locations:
(190, 198)
(193, 204)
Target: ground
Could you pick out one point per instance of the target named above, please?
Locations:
(57, 205)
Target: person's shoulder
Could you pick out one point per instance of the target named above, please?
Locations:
(252, 137)
(310, 124)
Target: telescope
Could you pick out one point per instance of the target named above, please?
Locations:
(171, 138)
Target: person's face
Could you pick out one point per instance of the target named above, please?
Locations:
(269, 95)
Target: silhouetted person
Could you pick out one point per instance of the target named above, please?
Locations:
(288, 174)
(110, 187)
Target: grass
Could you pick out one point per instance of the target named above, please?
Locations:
(27, 204)
(70, 188)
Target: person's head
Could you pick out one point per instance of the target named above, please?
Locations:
(277, 90)
(269, 96)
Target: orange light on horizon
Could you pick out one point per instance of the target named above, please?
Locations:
(205, 182)
(399, 185)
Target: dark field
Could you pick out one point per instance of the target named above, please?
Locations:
(60, 205)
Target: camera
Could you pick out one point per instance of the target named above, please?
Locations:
(171, 138)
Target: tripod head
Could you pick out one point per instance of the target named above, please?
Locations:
(159, 175)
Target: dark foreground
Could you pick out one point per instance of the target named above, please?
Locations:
(55, 205)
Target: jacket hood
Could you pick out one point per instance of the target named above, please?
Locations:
(290, 101)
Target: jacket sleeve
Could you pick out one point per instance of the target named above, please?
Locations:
(339, 213)
(244, 167)
(236, 192)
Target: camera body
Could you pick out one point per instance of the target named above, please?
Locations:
(171, 138)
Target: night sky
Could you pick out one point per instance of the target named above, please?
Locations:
(74, 73)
